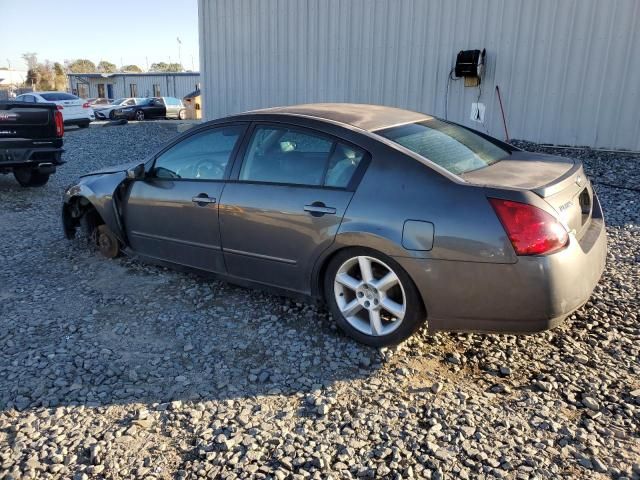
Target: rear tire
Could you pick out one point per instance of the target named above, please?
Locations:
(112, 115)
(379, 309)
(28, 177)
(139, 115)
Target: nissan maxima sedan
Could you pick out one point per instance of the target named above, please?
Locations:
(393, 218)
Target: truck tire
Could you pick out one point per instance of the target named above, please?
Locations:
(28, 177)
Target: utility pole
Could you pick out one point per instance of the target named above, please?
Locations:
(179, 54)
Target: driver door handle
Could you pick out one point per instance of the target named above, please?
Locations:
(202, 200)
(318, 209)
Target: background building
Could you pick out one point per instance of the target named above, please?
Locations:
(11, 83)
(568, 71)
(116, 85)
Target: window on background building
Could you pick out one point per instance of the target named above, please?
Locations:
(133, 90)
(101, 93)
(82, 91)
(156, 90)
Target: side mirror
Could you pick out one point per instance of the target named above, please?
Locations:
(136, 172)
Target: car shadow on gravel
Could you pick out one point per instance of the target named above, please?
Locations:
(123, 332)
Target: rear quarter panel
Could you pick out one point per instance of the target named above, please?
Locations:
(397, 188)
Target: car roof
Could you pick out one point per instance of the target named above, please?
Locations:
(364, 116)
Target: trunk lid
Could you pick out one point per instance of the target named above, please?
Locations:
(20, 120)
(560, 181)
(73, 107)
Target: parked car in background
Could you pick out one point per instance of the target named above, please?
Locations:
(30, 141)
(392, 217)
(98, 101)
(154, 107)
(75, 111)
(104, 112)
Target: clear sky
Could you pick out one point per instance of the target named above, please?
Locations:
(120, 31)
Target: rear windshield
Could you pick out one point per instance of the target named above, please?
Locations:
(452, 147)
(57, 96)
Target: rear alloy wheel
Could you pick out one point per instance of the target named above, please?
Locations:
(372, 298)
(112, 115)
(28, 177)
(182, 115)
(107, 242)
(139, 115)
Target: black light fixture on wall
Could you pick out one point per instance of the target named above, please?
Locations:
(470, 65)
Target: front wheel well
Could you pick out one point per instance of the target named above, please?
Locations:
(80, 212)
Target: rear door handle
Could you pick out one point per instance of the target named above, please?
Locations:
(202, 200)
(317, 209)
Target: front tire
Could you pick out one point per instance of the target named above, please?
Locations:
(107, 242)
(112, 115)
(30, 178)
(372, 298)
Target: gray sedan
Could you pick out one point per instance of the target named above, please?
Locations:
(391, 217)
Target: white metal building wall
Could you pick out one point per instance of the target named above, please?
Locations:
(170, 85)
(568, 70)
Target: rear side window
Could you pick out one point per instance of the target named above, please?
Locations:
(58, 96)
(452, 147)
(298, 157)
(342, 165)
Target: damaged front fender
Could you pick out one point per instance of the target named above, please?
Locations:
(99, 193)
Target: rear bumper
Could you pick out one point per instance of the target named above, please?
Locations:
(531, 295)
(44, 159)
(79, 121)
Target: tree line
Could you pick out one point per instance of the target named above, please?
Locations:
(49, 75)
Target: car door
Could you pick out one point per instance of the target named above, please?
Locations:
(284, 203)
(156, 108)
(172, 214)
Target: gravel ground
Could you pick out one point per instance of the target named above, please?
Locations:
(114, 369)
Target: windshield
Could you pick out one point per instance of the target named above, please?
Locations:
(118, 101)
(57, 96)
(454, 148)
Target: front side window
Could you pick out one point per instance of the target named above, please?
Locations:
(283, 155)
(454, 148)
(202, 156)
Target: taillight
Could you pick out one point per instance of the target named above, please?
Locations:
(86, 105)
(57, 117)
(59, 107)
(532, 231)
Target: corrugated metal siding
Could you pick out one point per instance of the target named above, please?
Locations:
(170, 85)
(568, 70)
